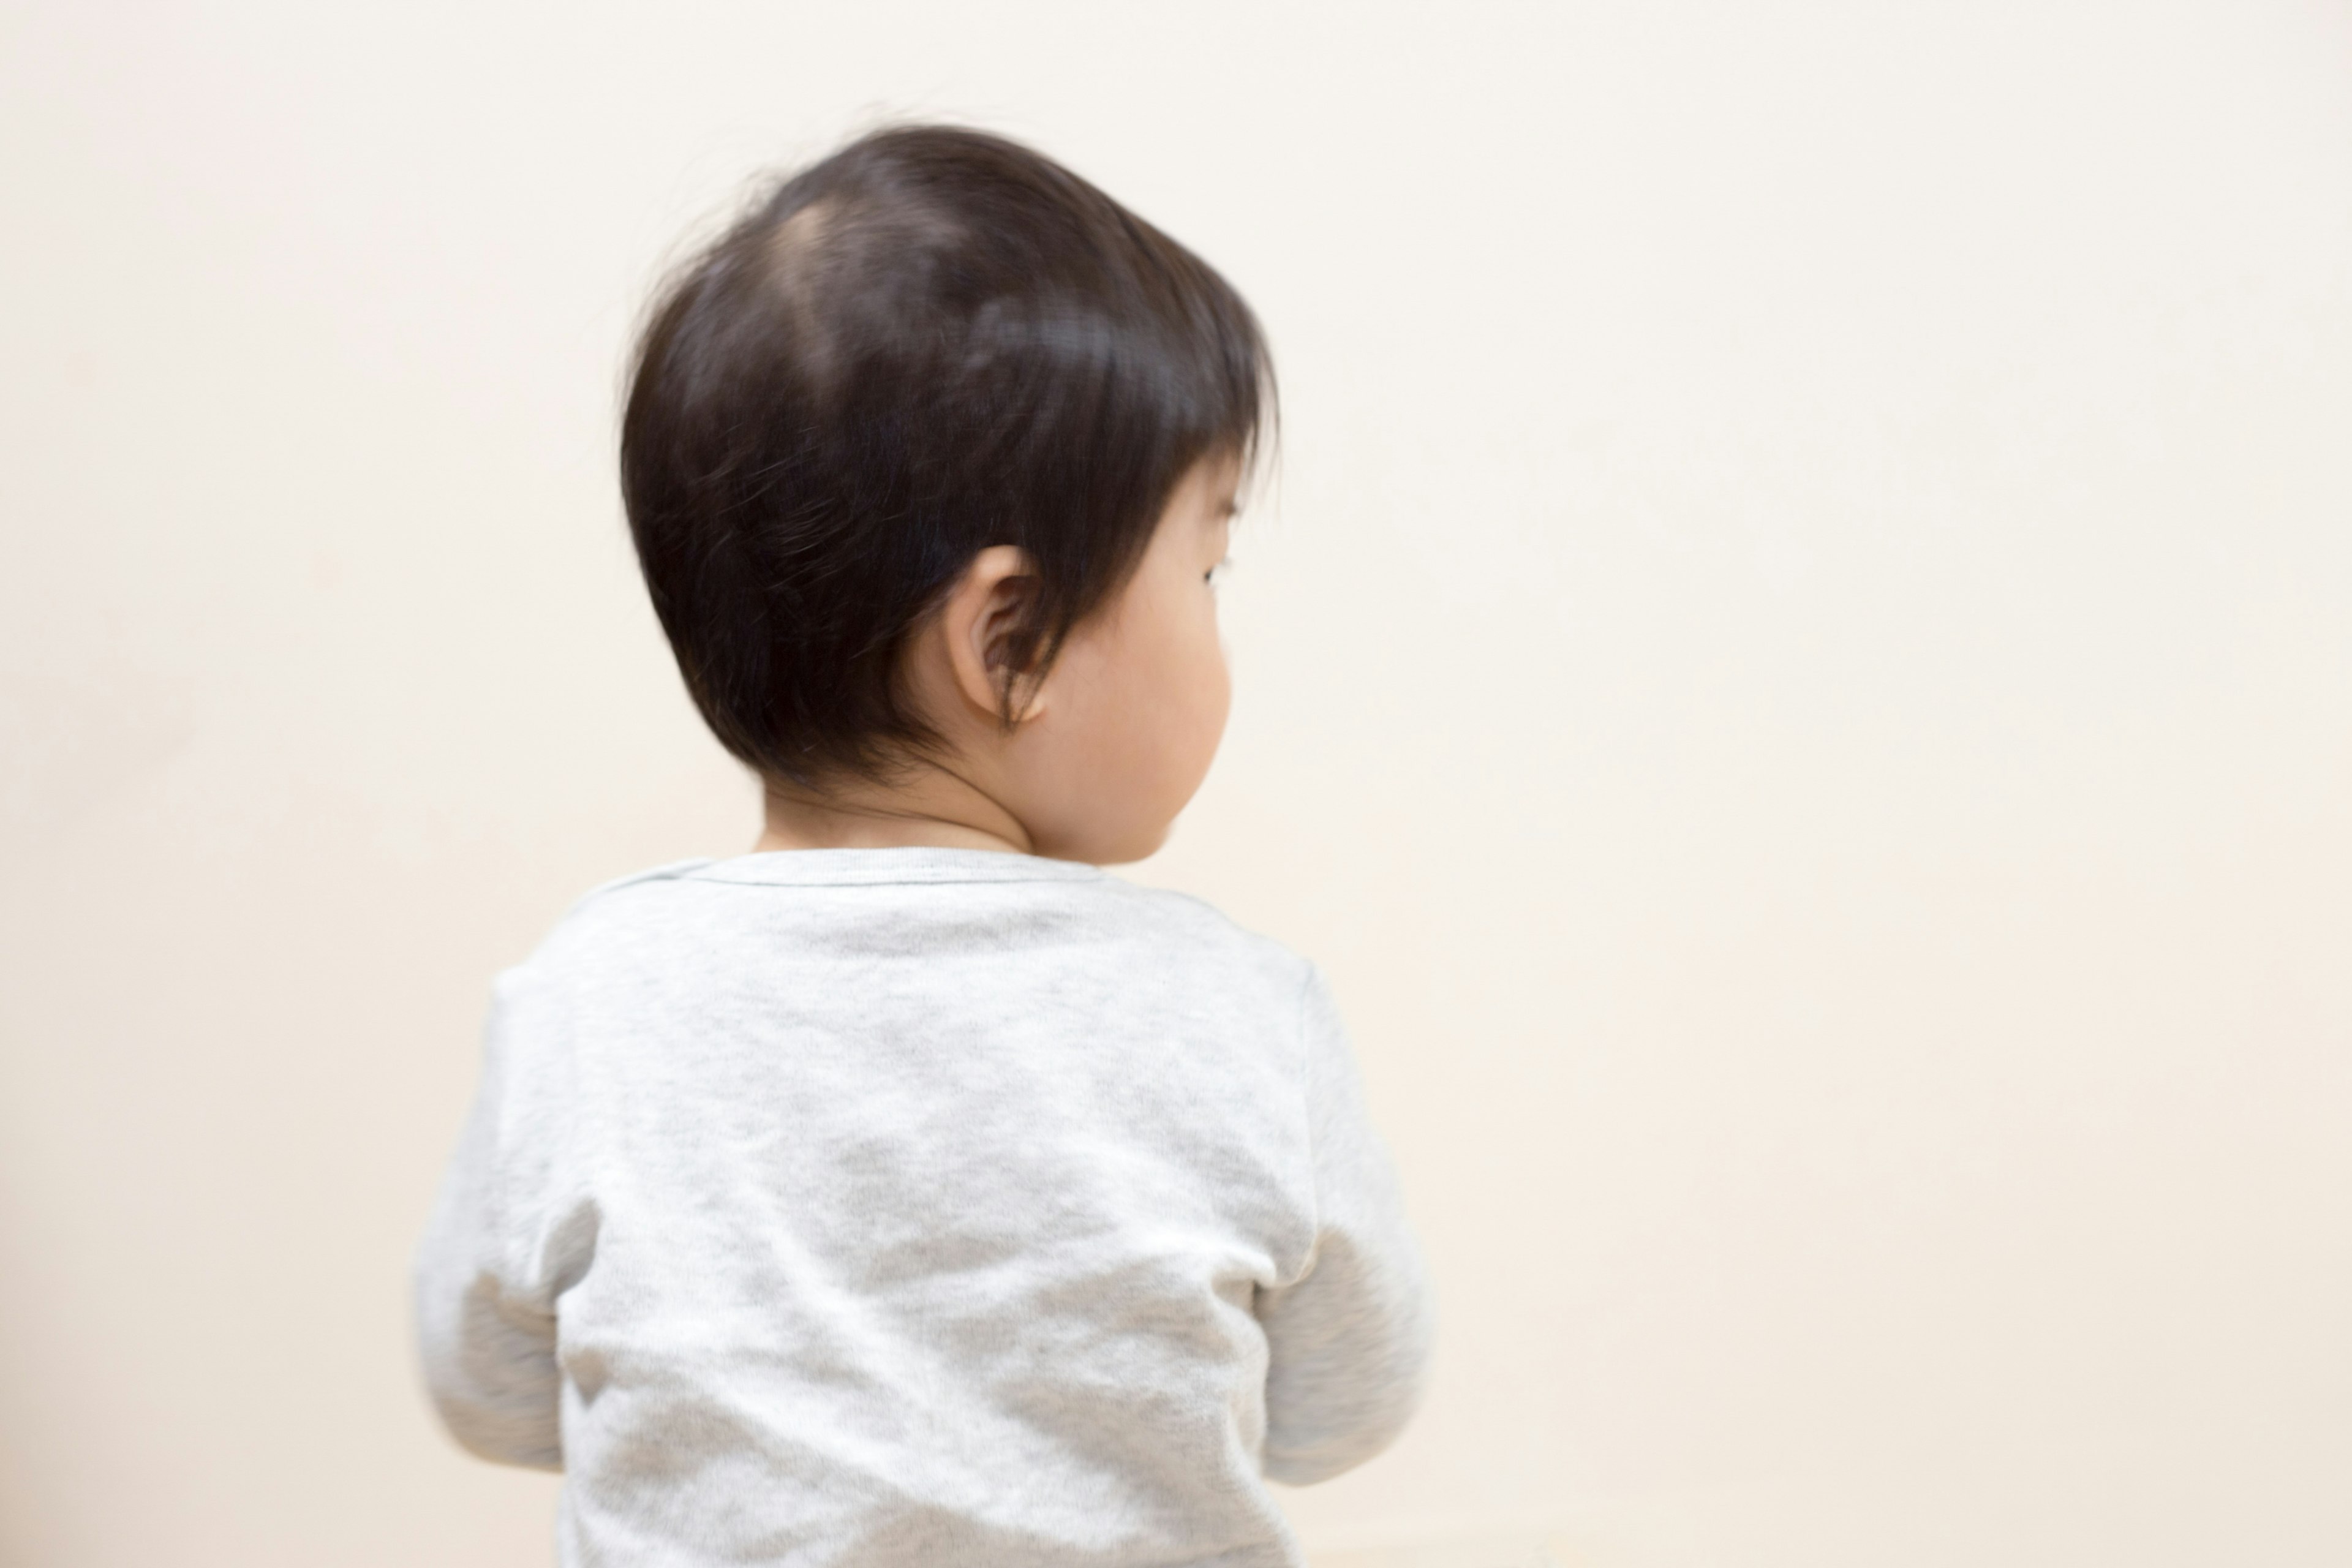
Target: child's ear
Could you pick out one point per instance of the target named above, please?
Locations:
(989, 638)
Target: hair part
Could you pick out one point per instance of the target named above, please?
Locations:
(932, 341)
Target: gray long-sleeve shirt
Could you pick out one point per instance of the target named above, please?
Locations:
(861, 1207)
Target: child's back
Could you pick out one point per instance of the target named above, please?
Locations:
(914, 1206)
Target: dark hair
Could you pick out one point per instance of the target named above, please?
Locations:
(932, 341)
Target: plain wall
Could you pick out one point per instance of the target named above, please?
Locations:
(1797, 673)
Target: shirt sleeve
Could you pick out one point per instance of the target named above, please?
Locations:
(1348, 1340)
(495, 1257)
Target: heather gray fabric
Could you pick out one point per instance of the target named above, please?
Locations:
(901, 1206)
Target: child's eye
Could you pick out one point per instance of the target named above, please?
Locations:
(1216, 574)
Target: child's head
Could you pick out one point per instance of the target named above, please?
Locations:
(928, 461)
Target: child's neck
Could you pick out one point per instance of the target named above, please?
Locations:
(935, 808)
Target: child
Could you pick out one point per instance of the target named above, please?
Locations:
(910, 1190)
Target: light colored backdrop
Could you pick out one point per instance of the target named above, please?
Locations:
(1797, 675)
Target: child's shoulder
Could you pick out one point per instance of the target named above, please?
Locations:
(1191, 949)
(1198, 922)
(625, 899)
(611, 916)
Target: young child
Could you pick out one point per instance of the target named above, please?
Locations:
(911, 1191)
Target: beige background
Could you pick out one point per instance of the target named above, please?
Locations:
(1798, 675)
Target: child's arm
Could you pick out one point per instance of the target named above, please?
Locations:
(488, 1274)
(1347, 1342)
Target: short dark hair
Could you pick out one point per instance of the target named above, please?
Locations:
(932, 341)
